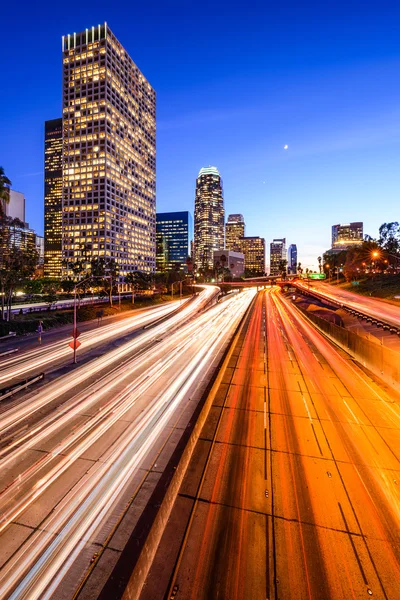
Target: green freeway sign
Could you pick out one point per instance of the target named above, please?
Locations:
(316, 276)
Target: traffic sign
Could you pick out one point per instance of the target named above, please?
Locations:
(74, 344)
(76, 333)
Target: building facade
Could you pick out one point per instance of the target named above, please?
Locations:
(15, 207)
(292, 259)
(209, 217)
(109, 155)
(346, 236)
(174, 236)
(277, 255)
(234, 231)
(234, 261)
(53, 186)
(253, 248)
(15, 236)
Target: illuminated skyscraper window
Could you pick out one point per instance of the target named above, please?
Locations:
(234, 231)
(109, 154)
(277, 255)
(253, 248)
(174, 239)
(209, 217)
(345, 236)
(53, 198)
(292, 259)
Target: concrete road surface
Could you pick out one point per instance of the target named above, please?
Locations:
(293, 491)
(379, 309)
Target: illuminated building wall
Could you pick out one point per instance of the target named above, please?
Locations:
(345, 236)
(109, 154)
(15, 236)
(53, 198)
(174, 239)
(209, 217)
(292, 259)
(277, 254)
(234, 230)
(253, 249)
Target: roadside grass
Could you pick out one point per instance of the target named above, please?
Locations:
(377, 286)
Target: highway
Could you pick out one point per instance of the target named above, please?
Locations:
(372, 307)
(48, 355)
(72, 453)
(293, 490)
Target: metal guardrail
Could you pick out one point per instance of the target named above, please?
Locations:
(9, 352)
(8, 336)
(356, 313)
(14, 389)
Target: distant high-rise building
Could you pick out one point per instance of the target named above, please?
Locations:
(292, 259)
(253, 248)
(15, 207)
(234, 231)
(277, 255)
(39, 243)
(174, 236)
(53, 198)
(109, 154)
(209, 217)
(346, 236)
(228, 259)
(16, 236)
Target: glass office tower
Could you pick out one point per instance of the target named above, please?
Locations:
(174, 234)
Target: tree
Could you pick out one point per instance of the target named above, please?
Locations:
(299, 268)
(389, 238)
(106, 268)
(139, 281)
(283, 268)
(18, 259)
(5, 184)
(50, 289)
(320, 263)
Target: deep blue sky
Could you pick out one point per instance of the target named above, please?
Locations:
(235, 82)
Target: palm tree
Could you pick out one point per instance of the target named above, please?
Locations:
(319, 263)
(5, 184)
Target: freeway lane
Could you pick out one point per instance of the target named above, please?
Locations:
(54, 353)
(370, 306)
(66, 480)
(294, 487)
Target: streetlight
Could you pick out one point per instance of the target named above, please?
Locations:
(329, 271)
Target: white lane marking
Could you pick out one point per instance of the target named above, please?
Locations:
(351, 412)
(308, 412)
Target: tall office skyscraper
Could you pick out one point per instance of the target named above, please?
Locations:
(292, 259)
(253, 248)
(53, 198)
(277, 254)
(109, 154)
(234, 231)
(209, 217)
(174, 239)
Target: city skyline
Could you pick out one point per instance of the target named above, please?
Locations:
(341, 154)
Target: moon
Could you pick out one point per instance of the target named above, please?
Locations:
(286, 147)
